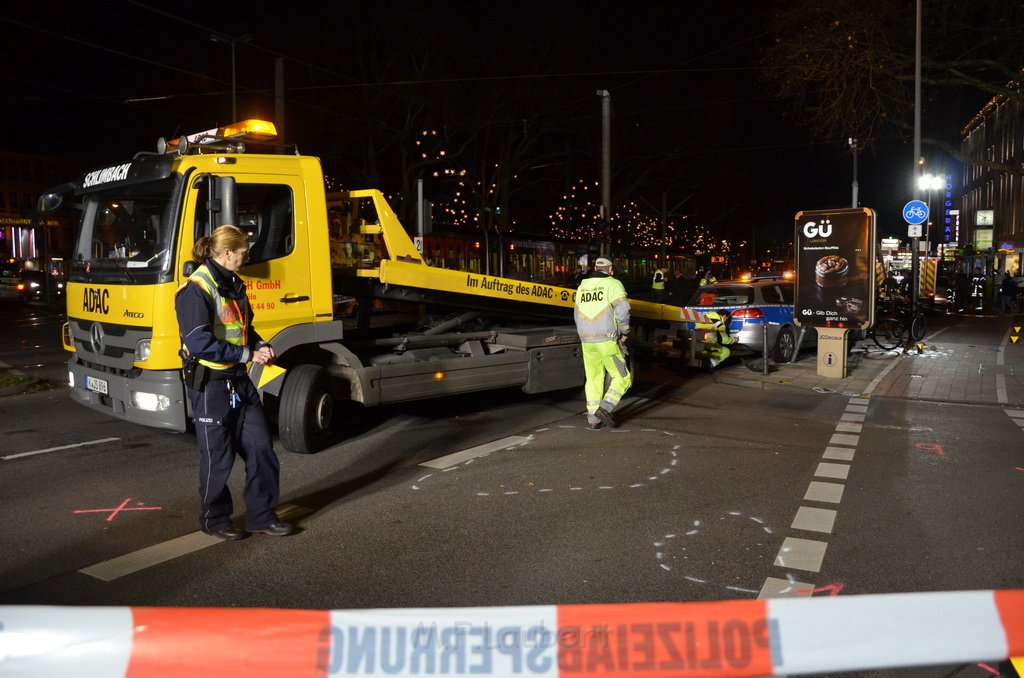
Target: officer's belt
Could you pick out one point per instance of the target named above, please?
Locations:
(230, 374)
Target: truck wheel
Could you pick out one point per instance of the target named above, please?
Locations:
(785, 345)
(306, 410)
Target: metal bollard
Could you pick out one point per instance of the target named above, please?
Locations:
(764, 346)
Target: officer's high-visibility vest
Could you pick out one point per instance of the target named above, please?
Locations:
(659, 281)
(229, 325)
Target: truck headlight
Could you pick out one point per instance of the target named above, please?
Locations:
(142, 350)
(151, 402)
(71, 379)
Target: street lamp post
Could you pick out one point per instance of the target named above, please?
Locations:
(229, 40)
(606, 170)
(853, 149)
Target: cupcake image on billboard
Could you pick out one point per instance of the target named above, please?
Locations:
(834, 267)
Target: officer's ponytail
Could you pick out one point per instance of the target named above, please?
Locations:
(223, 238)
(201, 250)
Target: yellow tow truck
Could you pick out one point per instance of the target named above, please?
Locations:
(417, 331)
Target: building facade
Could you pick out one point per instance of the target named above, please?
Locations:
(992, 201)
(23, 177)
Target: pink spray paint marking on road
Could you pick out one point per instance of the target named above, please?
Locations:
(931, 447)
(833, 589)
(123, 507)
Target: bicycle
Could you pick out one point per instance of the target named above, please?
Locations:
(891, 330)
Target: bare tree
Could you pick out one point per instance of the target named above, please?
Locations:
(844, 69)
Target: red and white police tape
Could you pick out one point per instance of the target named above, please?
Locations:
(731, 638)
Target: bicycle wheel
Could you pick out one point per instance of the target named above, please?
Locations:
(918, 327)
(888, 333)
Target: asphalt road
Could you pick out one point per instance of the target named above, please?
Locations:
(693, 498)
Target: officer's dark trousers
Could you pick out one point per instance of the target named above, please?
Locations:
(223, 431)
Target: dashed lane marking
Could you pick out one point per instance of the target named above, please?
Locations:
(844, 439)
(830, 493)
(839, 453)
(517, 443)
(20, 455)
(129, 563)
(456, 458)
(814, 519)
(784, 588)
(827, 470)
(801, 554)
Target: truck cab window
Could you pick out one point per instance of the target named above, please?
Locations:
(265, 212)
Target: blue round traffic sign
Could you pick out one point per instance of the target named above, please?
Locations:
(915, 212)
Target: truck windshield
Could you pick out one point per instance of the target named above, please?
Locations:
(126, 234)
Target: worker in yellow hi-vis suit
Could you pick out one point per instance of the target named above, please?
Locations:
(602, 321)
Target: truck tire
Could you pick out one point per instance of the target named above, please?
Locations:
(785, 345)
(306, 410)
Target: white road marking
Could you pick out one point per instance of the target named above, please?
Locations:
(801, 554)
(115, 568)
(814, 519)
(58, 449)
(840, 453)
(129, 563)
(852, 416)
(456, 458)
(827, 470)
(784, 588)
(846, 427)
(844, 439)
(831, 493)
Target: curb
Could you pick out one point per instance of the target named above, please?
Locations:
(21, 387)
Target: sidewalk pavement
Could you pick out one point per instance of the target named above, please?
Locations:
(965, 359)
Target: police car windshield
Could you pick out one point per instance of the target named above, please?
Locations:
(126, 234)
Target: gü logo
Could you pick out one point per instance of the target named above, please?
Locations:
(816, 230)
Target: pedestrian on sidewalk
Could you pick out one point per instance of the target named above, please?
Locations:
(1007, 293)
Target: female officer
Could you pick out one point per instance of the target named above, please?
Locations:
(215, 321)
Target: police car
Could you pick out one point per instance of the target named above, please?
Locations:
(752, 306)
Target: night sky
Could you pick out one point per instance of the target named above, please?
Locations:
(97, 82)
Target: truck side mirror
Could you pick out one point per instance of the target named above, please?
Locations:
(51, 200)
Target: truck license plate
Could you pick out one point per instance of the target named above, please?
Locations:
(96, 385)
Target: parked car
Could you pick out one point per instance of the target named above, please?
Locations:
(33, 286)
(752, 306)
(10, 285)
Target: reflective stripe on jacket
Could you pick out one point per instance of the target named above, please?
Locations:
(659, 281)
(602, 310)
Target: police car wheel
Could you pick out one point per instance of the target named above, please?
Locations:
(785, 346)
(306, 410)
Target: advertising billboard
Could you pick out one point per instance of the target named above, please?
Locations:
(835, 268)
